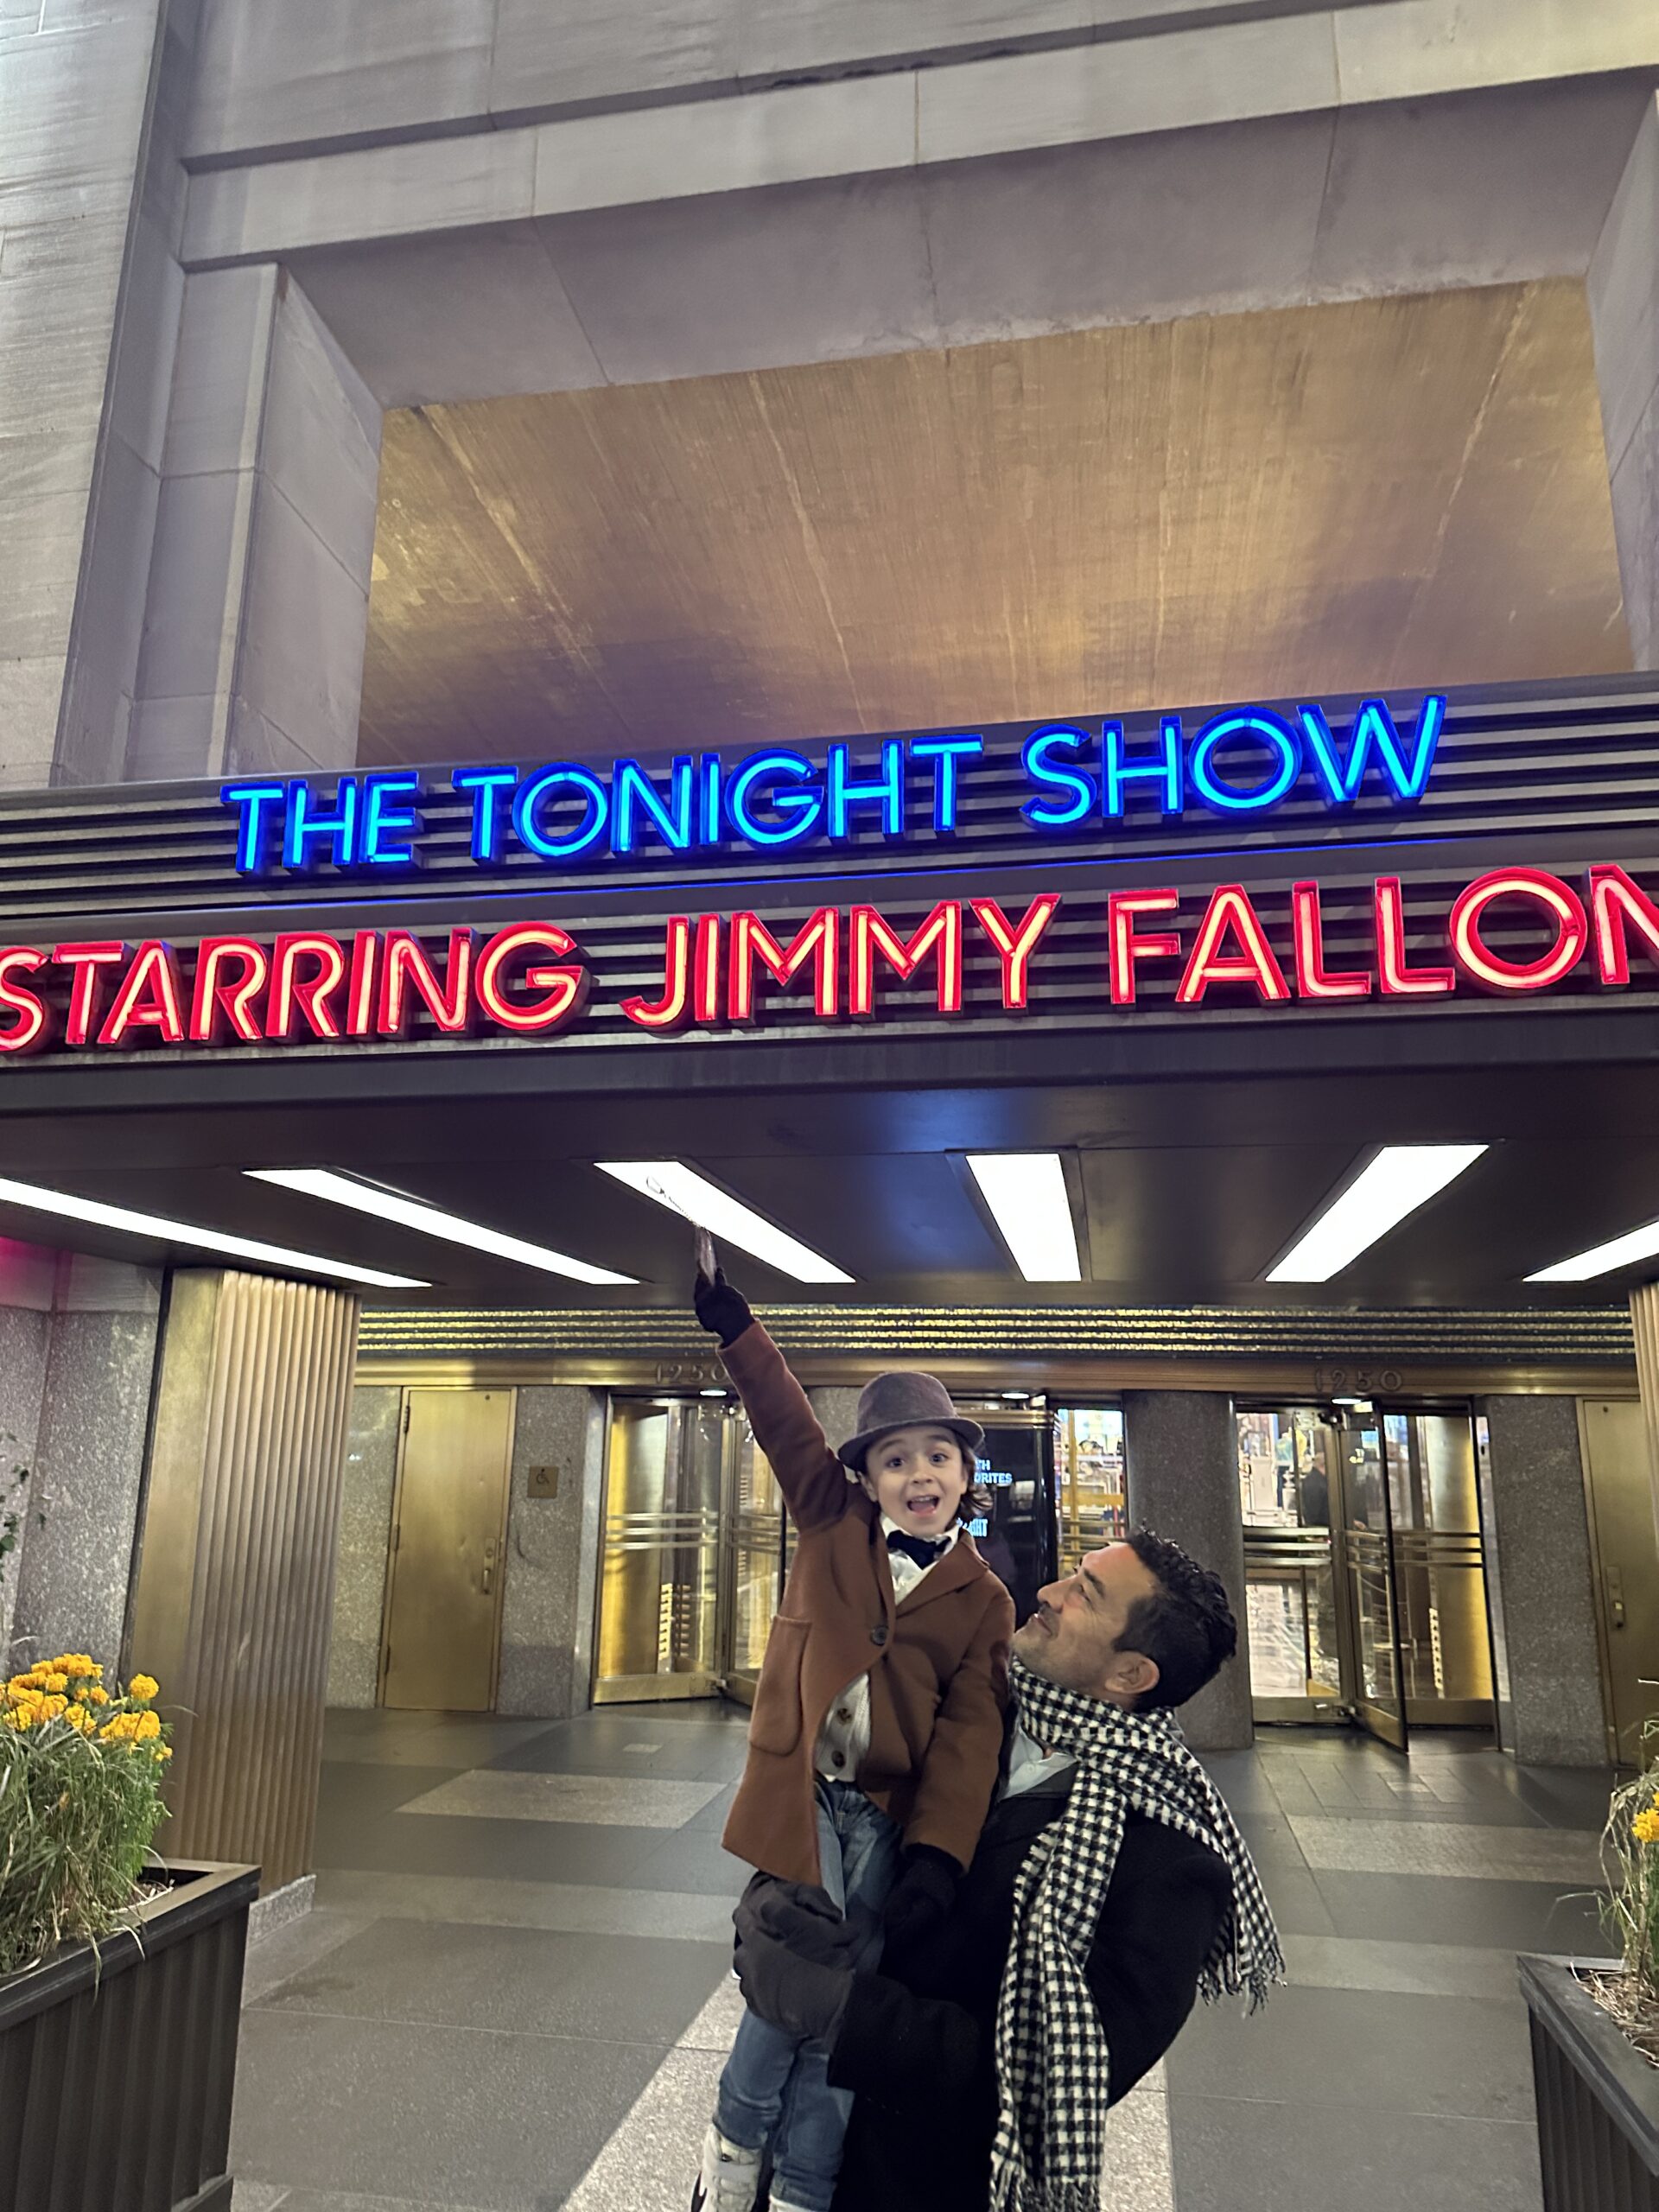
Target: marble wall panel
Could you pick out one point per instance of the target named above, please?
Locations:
(366, 1502)
(24, 1334)
(73, 1584)
(552, 1553)
(1539, 1551)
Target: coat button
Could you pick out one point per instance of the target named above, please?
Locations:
(838, 1759)
(879, 1633)
(844, 1713)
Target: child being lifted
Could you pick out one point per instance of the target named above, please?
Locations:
(877, 1726)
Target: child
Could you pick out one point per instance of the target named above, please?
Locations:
(877, 1724)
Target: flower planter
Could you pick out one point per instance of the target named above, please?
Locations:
(1598, 2099)
(116, 2069)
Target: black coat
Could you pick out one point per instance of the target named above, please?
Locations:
(917, 2043)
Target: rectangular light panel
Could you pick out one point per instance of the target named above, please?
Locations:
(1026, 1193)
(1402, 1178)
(727, 1220)
(430, 1220)
(68, 1207)
(1601, 1259)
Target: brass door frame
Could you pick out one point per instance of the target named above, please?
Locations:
(1604, 1598)
(641, 1689)
(405, 1397)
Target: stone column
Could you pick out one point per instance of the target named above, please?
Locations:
(76, 84)
(363, 1550)
(1181, 1449)
(84, 1493)
(1538, 1551)
(257, 606)
(551, 1582)
(234, 1590)
(1624, 292)
(1644, 1326)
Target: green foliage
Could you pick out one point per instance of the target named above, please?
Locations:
(1629, 1853)
(80, 1799)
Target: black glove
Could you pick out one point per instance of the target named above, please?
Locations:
(722, 1309)
(924, 1893)
(794, 1958)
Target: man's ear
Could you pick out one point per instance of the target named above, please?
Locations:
(1131, 1674)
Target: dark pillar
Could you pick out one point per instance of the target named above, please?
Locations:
(1182, 1452)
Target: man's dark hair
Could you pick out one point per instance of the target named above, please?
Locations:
(1185, 1626)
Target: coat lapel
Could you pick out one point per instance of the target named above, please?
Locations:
(961, 1565)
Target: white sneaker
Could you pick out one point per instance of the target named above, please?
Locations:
(729, 2177)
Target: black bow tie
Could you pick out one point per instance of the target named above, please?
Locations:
(922, 1550)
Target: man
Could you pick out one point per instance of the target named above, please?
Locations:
(1110, 1885)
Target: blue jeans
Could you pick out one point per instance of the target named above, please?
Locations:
(776, 2089)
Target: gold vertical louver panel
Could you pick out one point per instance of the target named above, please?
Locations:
(1644, 1327)
(235, 1584)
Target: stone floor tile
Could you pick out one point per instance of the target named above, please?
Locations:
(489, 1902)
(1416, 1969)
(455, 1740)
(1456, 1849)
(258, 2196)
(296, 1950)
(717, 2024)
(1234, 2156)
(458, 1847)
(1499, 1916)
(650, 2165)
(593, 1799)
(444, 2115)
(1407, 2054)
(517, 1980)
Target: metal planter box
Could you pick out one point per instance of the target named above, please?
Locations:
(1598, 2100)
(117, 2070)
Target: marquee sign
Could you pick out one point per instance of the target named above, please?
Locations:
(1513, 932)
(1245, 761)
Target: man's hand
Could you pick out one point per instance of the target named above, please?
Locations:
(795, 1956)
(922, 1896)
(722, 1309)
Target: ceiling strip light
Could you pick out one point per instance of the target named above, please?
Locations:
(1026, 1193)
(430, 1221)
(1402, 1178)
(1601, 1259)
(94, 1210)
(683, 1190)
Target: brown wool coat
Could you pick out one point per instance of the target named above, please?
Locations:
(938, 1664)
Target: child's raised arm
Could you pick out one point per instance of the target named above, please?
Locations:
(814, 1483)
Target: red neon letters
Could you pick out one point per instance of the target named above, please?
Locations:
(1513, 930)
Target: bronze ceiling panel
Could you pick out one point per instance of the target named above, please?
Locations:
(1317, 500)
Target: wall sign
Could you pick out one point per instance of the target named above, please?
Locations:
(1514, 931)
(1247, 760)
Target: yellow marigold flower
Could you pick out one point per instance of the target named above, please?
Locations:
(52, 1707)
(143, 1688)
(98, 1696)
(1645, 1827)
(55, 1681)
(149, 1726)
(162, 1752)
(78, 1718)
(23, 1718)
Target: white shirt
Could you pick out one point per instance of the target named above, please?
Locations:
(845, 1736)
(1028, 1764)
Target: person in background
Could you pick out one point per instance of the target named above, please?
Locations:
(1110, 1886)
(877, 1725)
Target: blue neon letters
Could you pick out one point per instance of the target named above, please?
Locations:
(1246, 760)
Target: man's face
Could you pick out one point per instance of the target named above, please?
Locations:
(1072, 1637)
(917, 1476)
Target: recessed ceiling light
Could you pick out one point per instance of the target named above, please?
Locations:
(430, 1220)
(683, 1190)
(1402, 1178)
(1601, 1259)
(99, 1216)
(1026, 1193)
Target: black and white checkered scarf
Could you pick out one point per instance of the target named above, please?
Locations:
(1052, 2066)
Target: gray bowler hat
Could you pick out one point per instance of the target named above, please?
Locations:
(907, 1401)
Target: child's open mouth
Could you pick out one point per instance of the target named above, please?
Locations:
(924, 1504)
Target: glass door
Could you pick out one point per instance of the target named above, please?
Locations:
(1363, 1538)
(1446, 1651)
(1089, 1480)
(1318, 1569)
(691, 1568)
